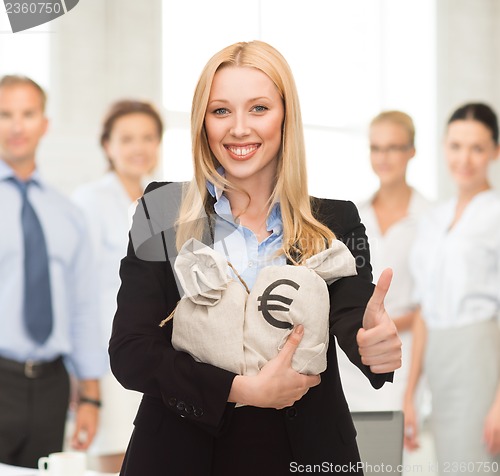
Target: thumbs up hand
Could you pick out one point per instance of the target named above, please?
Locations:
(378, 340)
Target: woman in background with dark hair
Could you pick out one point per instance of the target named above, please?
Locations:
(456, 264)
(130, 137)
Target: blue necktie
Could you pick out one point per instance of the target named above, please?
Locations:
(37, 298)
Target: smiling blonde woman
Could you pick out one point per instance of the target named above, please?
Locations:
(250, 182)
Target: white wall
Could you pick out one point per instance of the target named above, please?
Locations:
(100, 51)
(350, 60)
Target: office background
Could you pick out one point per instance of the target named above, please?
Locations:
(350, 60)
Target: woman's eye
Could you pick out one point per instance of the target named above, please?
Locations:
(220, 111)
(260, 108)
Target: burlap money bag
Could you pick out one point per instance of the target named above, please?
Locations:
(208, 320)
(219, 323)
(284, 296)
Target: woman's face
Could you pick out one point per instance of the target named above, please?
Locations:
(469, 149)
(133, 145)
(243, 123)
(390, 151)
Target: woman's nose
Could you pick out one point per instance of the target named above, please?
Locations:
(465, 157)
(240, 127)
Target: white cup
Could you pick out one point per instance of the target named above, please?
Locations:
(67, 463)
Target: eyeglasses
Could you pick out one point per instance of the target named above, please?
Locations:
(392, 149)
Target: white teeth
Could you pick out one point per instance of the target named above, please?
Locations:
(242, 151)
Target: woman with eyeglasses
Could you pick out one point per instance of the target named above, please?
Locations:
(390, 216)
(456, 264)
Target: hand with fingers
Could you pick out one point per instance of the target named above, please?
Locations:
(411, 430)
(491, 431)
(277, 385)
(87, 417)
(378, 340)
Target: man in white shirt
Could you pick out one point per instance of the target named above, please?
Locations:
(48, 312)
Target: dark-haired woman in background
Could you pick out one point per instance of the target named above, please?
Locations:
(131, 136)
(456, 264)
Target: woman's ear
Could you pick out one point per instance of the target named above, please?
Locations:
(413, 151)
(497, 152)
(105, 146)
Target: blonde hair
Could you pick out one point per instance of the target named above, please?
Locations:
(11, 80)
(303, 235)
(397, 117)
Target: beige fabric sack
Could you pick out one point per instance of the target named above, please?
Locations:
(219, 323)
(285, 296)
(208, 320)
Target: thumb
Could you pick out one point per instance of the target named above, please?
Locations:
(292, 342)
(375, 306)
(382, 287)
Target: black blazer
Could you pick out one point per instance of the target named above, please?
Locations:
(185, 402)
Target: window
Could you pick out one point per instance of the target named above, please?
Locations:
(26, 53)
(350, 60)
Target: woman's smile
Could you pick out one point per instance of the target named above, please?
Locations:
(242, 152)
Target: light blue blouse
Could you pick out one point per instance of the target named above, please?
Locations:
(240, 245)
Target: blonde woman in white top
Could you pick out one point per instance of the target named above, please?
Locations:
(390, 217)
(456, 264)
(130, 137)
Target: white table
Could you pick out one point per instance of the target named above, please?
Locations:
(6, 470)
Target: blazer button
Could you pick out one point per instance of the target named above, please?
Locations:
(172, 401)
(180, 406)
(291, 413)
(189, 409)
(198, 412)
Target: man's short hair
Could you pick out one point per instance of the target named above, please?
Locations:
(16, 80)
